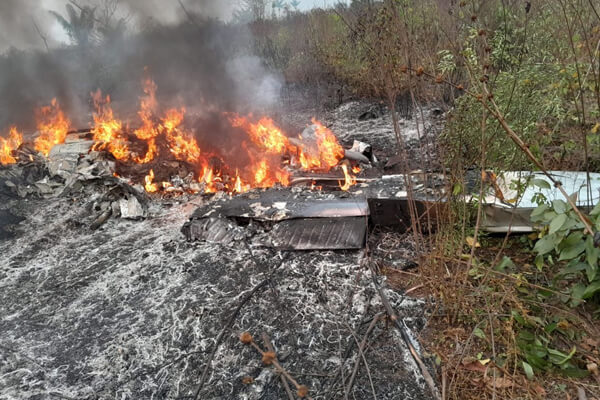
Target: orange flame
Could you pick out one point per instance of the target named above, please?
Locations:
(150, 186)
(309, 161)
(264, 134)
(356, 169)
(210, 180)
(108, 131)
(349, 179)
(7, 146)
(150, 153)
(148, 131)
(238, 186)
(181, 144)
(261, 174)
(53, 127)
(269, 147)
(330, 151)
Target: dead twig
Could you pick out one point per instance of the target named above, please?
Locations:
(361, 352)
(394, 318)
(101, 219)
(270, 358)
(187, 13)
(412, 289)
(284, 382)
(44, 39)
(222, 333)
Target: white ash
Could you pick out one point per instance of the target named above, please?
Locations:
(132, 311)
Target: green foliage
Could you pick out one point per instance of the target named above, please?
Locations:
(563, 240)
(534, 342)
(530, 100)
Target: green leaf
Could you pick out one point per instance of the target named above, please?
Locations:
(550, 215)
(571, 252)
(545, 245)
(591, 255)
(573, 372)
(559, 206)
(591, 290)
(573, 268)
(526, 336)
(539, 262)
(559, 358)
(542, 184)
(550, 327)
(557, 223)
(572, 240)
(515, 314)
(479, 333)
(591, 272)
(539, 212)
(596, 210)
(505, 263)
(528, 370)
(536, 361)
(577, 292)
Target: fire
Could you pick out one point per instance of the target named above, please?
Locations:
(108, 131)
(53, 127)
(182, 145)
(148, 131)
(309, 161)
(210, 180)
(283, 177)
(260, 175)
(7, 146)
(330, 151)
(356, 169)
(238, 185)
(264, 134)
(150, 186)
(272, 153)
(349, 179)
(151, 152)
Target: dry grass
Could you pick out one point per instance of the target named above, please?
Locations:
(474, 335)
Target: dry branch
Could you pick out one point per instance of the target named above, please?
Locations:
(284, 382)
(394, 318)
(361, 352)
(222, 333)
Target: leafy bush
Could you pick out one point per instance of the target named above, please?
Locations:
(562, 240)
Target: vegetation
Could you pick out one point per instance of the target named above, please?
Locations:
(517, 317)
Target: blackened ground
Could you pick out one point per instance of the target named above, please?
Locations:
(132, 311)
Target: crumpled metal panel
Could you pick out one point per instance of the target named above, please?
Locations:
(292, 234)
(276, 206)
(320, 233)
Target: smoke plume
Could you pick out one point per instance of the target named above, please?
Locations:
(194, 55)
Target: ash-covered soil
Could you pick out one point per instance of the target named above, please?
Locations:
(132, 311)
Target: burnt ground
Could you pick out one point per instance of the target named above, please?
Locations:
(133, 311)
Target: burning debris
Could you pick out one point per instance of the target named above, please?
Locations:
(265, 156)
(9, 146)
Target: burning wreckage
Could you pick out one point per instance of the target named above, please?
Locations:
(129, 309)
